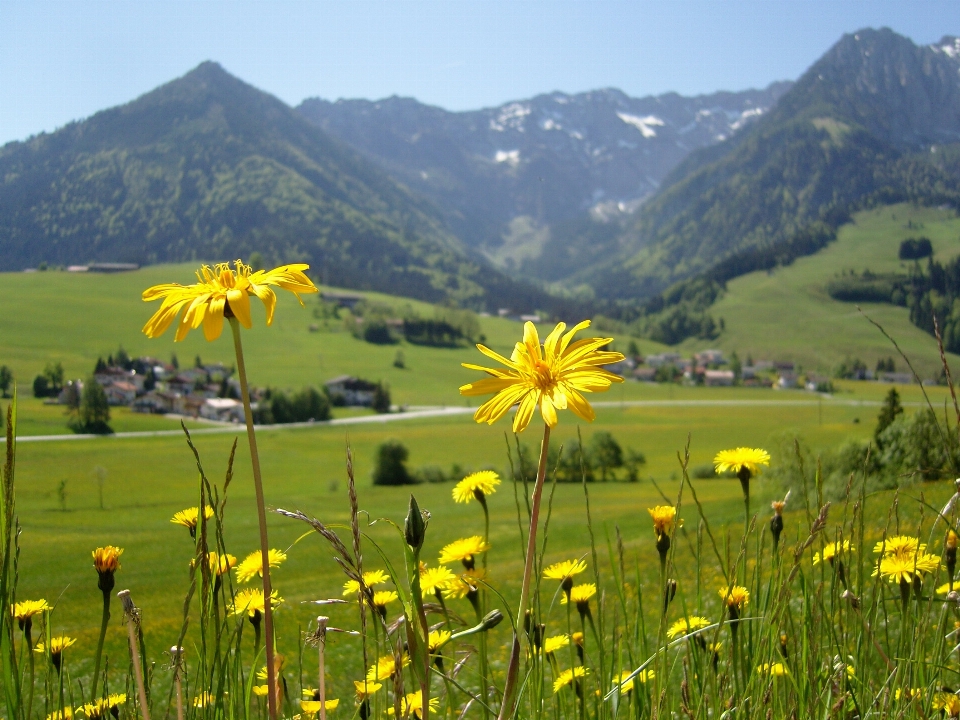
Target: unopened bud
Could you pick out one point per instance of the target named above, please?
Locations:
(492, 619)
(415, 526)
(669, 592)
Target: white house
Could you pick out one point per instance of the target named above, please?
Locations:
(222, 409)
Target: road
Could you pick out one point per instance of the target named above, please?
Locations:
(418, 413)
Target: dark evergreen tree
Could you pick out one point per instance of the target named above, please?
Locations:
(390, 467)
(888, 413)
(94, 415)
(6, 379)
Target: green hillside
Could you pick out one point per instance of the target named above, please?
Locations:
(787, 314)
(75, 318)
(208, 166)
(874, 120)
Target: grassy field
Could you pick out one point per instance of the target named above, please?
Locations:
(786, 314)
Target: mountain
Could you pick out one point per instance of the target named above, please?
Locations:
(513, 178)
(207, 167)
(874, 120)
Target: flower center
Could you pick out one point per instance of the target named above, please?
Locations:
(545, 379)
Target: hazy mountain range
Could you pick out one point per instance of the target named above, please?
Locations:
(595, 194)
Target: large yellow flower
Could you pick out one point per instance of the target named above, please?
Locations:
(948, 702)
(370, 578)
(554, 643)
(903, 567)
(190, 517)
(28, 608)
(250, 601)
(437, 639)
(831, 551)
(311, 702)
(580, 594)
(412, 705)
(218, 564)
(464, 584)
(436, 578)
(484, 482)
(684, 626)
(219, 288)
(385, 667)
(900, 545)
(663, 516)
(567, 677)
(564, 570)
(465, 549)
(552, 376)
(107, 559)
(627, 685)
(365, 689)
(252, 564)
(741, 457)
(58, 644)
(735, 597)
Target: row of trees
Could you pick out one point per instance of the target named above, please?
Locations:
(600, 459)
(383, 325)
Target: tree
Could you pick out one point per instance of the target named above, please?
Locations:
(54, 374)
(174, 361)
(888, 413)
(606, 453)
(390, 468)
(398, 360)
(41, 386)
(633, 350)
(736, 366)
(6, 378)
(94, 415)
(72, 396)
(256, 261)
(381, 398)
(122, 359)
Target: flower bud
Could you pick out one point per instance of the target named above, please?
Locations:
(415, 526)
(492, 619)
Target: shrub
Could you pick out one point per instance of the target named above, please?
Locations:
(94, 413)
(381, 398)
(390, 467)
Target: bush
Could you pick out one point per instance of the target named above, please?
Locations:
(390, 467)
(94, 413)
(41, 386)
(915, 249)
(308, 404)
(381, 398)
(378, 333)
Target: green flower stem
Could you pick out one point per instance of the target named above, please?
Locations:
(481, 611)
(104, 621)
(513, 668)
(262, 518)
(28, 642)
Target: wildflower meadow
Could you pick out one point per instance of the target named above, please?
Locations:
(843, 604)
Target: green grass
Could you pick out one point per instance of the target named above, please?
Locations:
(788, 315)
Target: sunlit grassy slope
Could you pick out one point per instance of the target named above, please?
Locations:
(787, 314)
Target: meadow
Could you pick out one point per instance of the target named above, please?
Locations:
(75, 495)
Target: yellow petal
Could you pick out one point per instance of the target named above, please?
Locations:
(525, 411)
(486, 386)
(269, 299)
(240, 305)
(213, 320)
(497, 356)
(532, 340)
(548, 411)
(569, 336)
(550, 344)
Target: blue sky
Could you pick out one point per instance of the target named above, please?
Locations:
(64, 60)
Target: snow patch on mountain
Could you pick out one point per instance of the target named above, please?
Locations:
(644, 124)
(511, 116)
(745, 117)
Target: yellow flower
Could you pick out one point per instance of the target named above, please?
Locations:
(28, 608)
(311, 702)
(436, 579)
(383, 598)
(385, 667)
(684, 626)
(900, 545)
(908, 693)
(735, 597)
(580, 595)
(107, 559)
(627, 685)
(484, 482)
(553, 377)
(564, 570)
(465, 549)
(261, 690)
(218, 564)
(370, 578)
(831, 551)
(663, 516)
(67, 714)
(58, 644)
(412, 704)
(948, 702)
(741, 457)
(204, 699)
(567, 677)
(189, 517)
(577, 638)
(948, 587)
(464, 584)
(97, 709)
(252, 564)
(772, 669)
(250, 601)
(365, 689)
(554, 643)
(220, 288)
(902, 567)
(437, 639)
